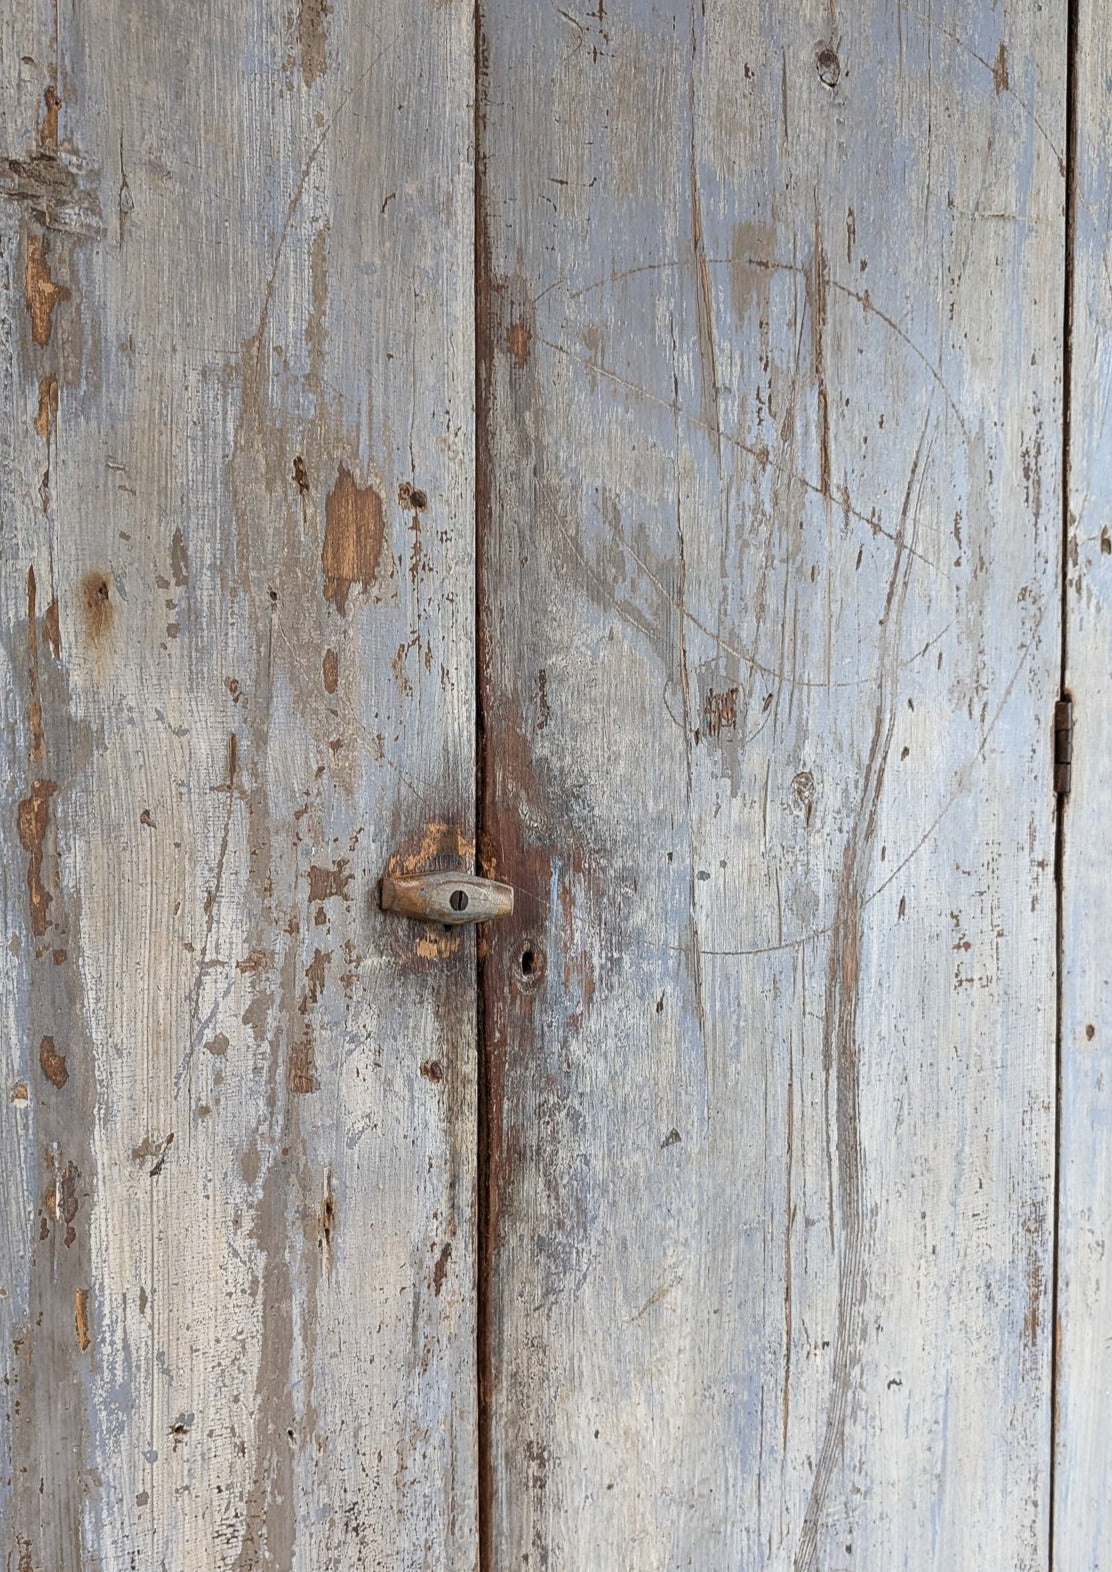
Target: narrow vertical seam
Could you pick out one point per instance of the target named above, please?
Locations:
(1071, 178)
(483, 1247)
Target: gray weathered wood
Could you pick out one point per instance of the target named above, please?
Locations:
(236, 483)
(1083, 1507)
(771, 353)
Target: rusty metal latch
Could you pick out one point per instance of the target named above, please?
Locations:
(450, 898)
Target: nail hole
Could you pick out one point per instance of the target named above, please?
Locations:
(458, 900)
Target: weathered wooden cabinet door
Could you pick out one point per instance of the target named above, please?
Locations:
(236, 461)
(770, 570)
(624, 448)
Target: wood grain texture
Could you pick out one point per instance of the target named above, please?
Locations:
(770, 337)
(236, 464)
(1083, 1511)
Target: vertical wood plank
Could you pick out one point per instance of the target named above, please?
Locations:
(770, 337)
(237, 473)
(1083, 1515)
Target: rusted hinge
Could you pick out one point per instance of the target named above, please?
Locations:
(1063, 746)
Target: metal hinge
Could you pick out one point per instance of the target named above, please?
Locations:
(1063, 746)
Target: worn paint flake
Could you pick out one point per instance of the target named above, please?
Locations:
(324, 883)
(353, 533)
(52, 629)
(518, 340)
(48, 129)
(33, 819)
(42, 293)
(81, 1319)
(302, 1068)
(96, 601)
(52, 1063)
(48, 408)
(312, 38)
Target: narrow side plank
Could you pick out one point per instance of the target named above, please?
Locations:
(1083, 1511)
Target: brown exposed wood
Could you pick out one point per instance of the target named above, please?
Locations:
(81, 1320)
(312, 38)
(42, 293)
(52, 1063)
(353, 533)
(34, 819)
(48, 408)
(99, 611)
(48, 130)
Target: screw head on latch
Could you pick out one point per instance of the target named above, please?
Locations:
(449, 898)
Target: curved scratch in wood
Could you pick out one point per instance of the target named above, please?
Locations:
(763, 455)
(840, 1048)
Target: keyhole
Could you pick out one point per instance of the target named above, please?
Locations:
(458, 900)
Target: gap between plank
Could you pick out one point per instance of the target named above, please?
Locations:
(484, 1244)
(1071, 177)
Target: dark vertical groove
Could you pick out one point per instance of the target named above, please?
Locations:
(1071, 181)
(483, 1239)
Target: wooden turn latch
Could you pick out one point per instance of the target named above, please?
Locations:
(450, 898)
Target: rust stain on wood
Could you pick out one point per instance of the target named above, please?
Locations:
(33, 819)
(52, 1063)
(42, 293)
(353, 530)
(330, 671)
(96, 601)
(81, 1319)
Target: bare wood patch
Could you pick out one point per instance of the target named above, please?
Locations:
(353, 532)
(42, 293)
